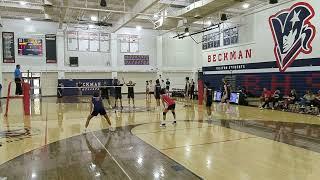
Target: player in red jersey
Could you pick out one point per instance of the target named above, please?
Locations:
(169, 104)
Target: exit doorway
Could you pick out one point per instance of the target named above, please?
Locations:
(34, 80)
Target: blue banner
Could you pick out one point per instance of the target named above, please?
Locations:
(255, 82)
(87, 88)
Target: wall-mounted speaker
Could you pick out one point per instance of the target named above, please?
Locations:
(273, 1)
(74, 62)
(224, 17)
(103, 3)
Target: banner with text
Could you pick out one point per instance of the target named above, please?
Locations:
(8, 47)
(51, 48)
(88, 86)
(281, 37)
(136, 59)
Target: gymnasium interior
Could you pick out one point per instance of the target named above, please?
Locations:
(193, 89)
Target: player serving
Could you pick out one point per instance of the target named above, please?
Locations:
(169, 105)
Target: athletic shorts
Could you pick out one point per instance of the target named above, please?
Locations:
(209, 104)
(157, 96)
(105, 96)
(97, 111)
(118, 96)
(59, 93)
(172, 107)
(189, 93)
(131, 95)
(151, 93)
(226, 96)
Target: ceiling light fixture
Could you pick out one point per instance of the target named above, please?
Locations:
(91, 26)
(245, 5)
(47, 16)
(138, 28)
(209, 23)
(273, 1)
(33, 175)
(103, 3)
(23, 3)
(94, 18)
(47, 3)
(27, 19)
(155, 16)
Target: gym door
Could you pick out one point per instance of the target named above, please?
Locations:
(34, 81)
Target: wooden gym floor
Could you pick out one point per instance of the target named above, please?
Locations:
(241, 143)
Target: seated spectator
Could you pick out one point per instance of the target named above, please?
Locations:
(291, 99)
(307, 99)
(262, 96)
(265, 98)
(316, 101)
(243, 96)
(276, 97)
(243, 90)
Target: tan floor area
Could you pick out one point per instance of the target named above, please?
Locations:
(215, 152)
(210, 151)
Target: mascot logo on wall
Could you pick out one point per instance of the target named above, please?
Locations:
(292, 33)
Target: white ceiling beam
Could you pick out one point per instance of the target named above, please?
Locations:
(115, 11)
(36, 7)
(140, 7)
(175, 2)
(62, 12)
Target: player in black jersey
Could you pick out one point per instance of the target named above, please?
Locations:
(130, 86)
(168, 85)
(118, 94)
(208, 97)
(226, 92)
(105, 93)
(60, 92)
(192, 88)
(187, 93)
(157, 90)
(79, 85)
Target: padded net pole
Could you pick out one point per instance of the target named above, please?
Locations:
(26, 98)
(200, 92)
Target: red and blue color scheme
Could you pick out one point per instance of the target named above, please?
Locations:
(292, 33)
(255, 82)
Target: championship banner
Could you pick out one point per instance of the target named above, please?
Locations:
(8, 47)
(51, 48)
(136, 59)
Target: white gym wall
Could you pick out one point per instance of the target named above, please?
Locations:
(179, 58)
